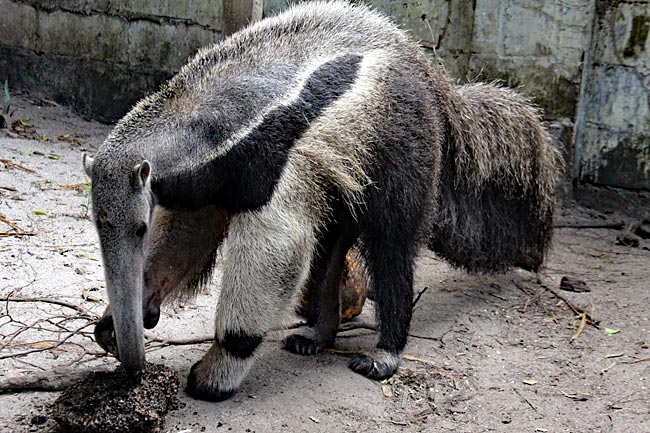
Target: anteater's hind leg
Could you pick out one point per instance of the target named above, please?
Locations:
(323, 291)
(390, 265)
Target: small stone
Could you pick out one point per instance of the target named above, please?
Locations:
(38, 419)
(628, 239)
(643, 230)
(573, 285)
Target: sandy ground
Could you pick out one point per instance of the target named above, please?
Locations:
(485, 354)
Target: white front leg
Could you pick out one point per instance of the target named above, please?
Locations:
(267, 256)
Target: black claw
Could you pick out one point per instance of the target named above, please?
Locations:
(368, 367)
(105, 334)
(201, 392)
(361, 364)
(301, 345)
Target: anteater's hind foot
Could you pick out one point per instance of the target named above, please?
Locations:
(378, 364)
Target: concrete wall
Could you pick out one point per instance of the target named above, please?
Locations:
(613, 140)
(535, 44)
(100, 56)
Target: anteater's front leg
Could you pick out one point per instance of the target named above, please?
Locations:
(266, 261)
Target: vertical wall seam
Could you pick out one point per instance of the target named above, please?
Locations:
(578, 135)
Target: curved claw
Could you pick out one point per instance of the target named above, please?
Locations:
(105, 335)
(301, 345)
(376, 366)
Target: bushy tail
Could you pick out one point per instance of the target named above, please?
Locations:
(497, 181)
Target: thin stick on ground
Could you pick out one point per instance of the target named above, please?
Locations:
(417, 298)
(15, 234)
(19, 231)
(52, 347)
(165, 342)
(524, 399)
(11, 224)
(84, 312)
(577, 310)
(581, 327)
(16, 165)
(56, 324)
(612, 226)
(55, 380)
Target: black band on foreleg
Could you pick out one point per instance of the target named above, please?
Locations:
(240, 345)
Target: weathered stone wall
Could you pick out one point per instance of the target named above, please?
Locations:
(535, 44)
(613, 124)
(102, 55)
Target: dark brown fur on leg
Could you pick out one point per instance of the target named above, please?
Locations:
(323, 292)
(353, 291)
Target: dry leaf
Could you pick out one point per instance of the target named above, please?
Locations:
(88, 297)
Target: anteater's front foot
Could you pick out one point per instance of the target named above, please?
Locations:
(301, 345)
(201, 388)
(377, 365)
(308, 342)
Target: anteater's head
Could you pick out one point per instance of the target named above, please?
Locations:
(122, 206)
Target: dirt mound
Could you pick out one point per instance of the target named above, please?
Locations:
(112, 402)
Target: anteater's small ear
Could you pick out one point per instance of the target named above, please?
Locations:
(88, 165)
(143, 173)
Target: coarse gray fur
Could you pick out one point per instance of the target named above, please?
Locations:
(479, 172)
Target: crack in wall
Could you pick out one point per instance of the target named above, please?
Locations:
(122, 14)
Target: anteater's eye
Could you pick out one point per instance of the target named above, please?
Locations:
(141, 230)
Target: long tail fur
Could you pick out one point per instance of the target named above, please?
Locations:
(497, 181)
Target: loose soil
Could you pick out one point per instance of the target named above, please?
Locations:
(486, 353)
(114, 402)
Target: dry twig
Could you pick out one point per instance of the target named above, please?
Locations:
(84, 312)
(11, 224)
(15, 234)
(612, 226)
(57, 324)
(19, 231)
(165, 342)
(577, 310)
(417, 298)
(55, 380)
(12, 164)
(524, 399)
(581, 326)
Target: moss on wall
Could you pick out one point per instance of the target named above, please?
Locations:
(638, 36)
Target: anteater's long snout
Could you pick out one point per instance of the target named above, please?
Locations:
(121, 330)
